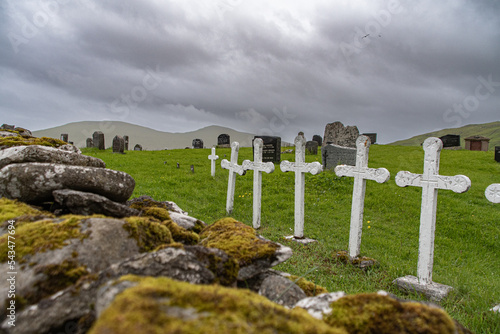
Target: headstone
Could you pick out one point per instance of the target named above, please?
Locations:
(492, 193)
(333, 155)
(126, 142)
(224, 140)
(137, 147)
(98, 139)
(312, 147)
(192, 168)
(300, 167)
(497, 153)
(118, 144)
(233, 169)
(372, 136)
(450, 140)
(90, 142)
(178, 165)
(64, 137)
(272, 148)
(338, 134)
(197, 143)
(213, 157)
(258, 167)
(7, 127)
(430, 181)
(361, 173)
(318, 139)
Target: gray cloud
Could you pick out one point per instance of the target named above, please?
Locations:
(398, 68)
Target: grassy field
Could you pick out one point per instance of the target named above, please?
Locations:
(467, 251)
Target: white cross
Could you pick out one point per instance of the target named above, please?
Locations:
(258, 167)
(492, 193)
(361, 173)
(233, 169)
(430, 181)
(213, 157)
(300, 167)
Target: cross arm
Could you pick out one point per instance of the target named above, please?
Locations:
(381, 175)
(267, 167)
(235, 168)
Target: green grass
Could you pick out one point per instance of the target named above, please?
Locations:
(467, 245)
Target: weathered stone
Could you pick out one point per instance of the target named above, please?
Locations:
(147, 201)
(319, 305)
(24, 132)
(36, 153)
(90, 143)
(224, 267)
(138, 147)
(492, 193)
(64, 137)
(98, 139)
(7, 127)
(372, 136)
(433, 291)
(318, 139)
(338, 134)
(197, 143)
(70, 148)
(8, 134)
(333, 155)
(84, 203)
(312, 147)
(224, 140)
(185, 221)
(35, 182)
(281, 290)
(127, 140)
(118, 144)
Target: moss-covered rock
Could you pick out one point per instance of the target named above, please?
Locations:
(148, 232)
(374, 313)
(25, 141)
(162, 305)
(19, 211)
(308, 287)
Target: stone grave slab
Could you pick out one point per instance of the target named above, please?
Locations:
(90, 142)
(492, 193)
(312, 147)
(450, 140)
(333, 155)
(127, 140)
(98, 139)
(497, 153)
(197, 143)
(318, 139)
(224, 140)
(338, 134)
(118, 145)
(272, 148)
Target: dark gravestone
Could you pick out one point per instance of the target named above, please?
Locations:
(197, 143)
(271, 152)
(90, 142)
(137, 147)
(98, 139)
(126, 142)
(312, 147)
(192, 168)
(224, 140)
(118, 144)
(450, 140)
(333, 155)
(318, 139)
(372, 136)
(64, 137)
(497, 153)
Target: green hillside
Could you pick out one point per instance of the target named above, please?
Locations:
(488, 130)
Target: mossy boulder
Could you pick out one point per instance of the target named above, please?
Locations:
(26, 141)
(19, 211)
(309, 288)
(161, 305)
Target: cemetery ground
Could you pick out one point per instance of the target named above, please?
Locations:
(467, 245)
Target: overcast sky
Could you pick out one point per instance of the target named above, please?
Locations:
(398, 68)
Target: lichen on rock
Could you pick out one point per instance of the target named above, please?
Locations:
(162, 305)
(148, 232)
(19, 211)
(309, 288)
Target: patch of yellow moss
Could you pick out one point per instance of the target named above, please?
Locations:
(42, 236)
(162, 305)
(19, 211)
(180, 234)
(147, 203)
(238, 240)
(159, 213)
(25, 141)
(308, 287)
(148, 232)
(373, 313)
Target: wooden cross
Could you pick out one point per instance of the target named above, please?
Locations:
(233, 169)
(258, 167)
(300, 167)
(361, 173)
(213, 157)
(430, 181)
(492, 193)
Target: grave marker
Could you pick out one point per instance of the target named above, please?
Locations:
(372, 136)
(224, 140)
(258, 167)
(213, 157)
(318, 139)
(126, 142)
(430, 181)
(492, 193)
(197, 143)
(90, 142)
(64, 137)
(118, 144)
(138, 147)
(450, 140)
(233, 168)
(312, 147)
(497, 153)
(361, 173)
(98, 139)
(300, 167)
(333, 155)
(272, 148)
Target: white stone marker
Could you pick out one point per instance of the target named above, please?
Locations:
(258, 167)
(430, 181)
(492, 193)
(300, 167)
(213, 157)
(361, 173)
(233, 169)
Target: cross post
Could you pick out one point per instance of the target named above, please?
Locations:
(258, 167)
(213, 157)
(360, 173)
(430, 181)
(233, 169)
(300, 167)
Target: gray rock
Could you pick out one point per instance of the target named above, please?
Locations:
(319, 305)
(281, 290)
(83, 203)
(184, 221)
(72, 148)
(24, 132)
(35, 182)
(170, 206)
(37, 153)
(8, 134)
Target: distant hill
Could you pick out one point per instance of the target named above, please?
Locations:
(150, 139)
(488, 130)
